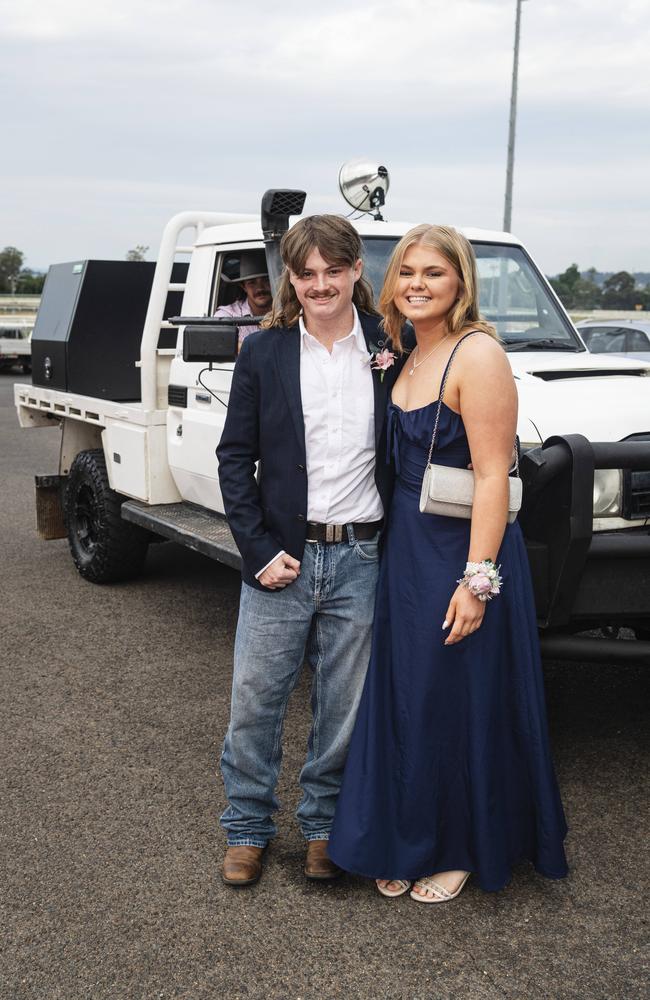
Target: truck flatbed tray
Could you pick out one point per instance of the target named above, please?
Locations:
(195, 527)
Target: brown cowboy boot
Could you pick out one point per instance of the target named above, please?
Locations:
(317, 861)
(242, 865)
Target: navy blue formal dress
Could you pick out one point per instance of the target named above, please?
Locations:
(449, 765)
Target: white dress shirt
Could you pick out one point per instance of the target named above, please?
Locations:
(339, 414)
(338, 409)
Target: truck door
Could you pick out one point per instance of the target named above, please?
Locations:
(198, 398)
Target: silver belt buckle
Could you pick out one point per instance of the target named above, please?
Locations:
(333, 532)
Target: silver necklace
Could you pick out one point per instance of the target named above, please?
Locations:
(416, 364)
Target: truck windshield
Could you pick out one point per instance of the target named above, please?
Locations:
(512, 296)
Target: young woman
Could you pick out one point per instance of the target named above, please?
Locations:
(449, 771)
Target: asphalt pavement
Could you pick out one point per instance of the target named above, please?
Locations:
(114, 704)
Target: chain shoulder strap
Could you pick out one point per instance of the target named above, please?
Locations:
(443, 385)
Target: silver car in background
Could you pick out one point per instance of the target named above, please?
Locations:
(629, 338)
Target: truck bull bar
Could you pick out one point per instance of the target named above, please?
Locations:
(574, 592)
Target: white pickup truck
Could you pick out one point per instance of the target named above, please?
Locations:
(15, 343)
(141, 395)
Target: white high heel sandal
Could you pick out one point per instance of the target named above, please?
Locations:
(404, 886)
(442, 895)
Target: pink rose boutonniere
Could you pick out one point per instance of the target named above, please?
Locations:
(382, 361)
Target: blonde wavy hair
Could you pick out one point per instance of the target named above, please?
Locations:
(338, 242)
(458, 252)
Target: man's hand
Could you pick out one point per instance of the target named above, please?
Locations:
(283, 570)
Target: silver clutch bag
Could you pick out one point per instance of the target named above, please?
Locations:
(448, 490)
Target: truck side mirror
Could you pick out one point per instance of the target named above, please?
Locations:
(210, 344)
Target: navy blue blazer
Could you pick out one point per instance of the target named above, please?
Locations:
(265, 423)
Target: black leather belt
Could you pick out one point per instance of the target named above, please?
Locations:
(364, 530)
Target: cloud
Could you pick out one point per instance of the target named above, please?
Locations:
(122, 113)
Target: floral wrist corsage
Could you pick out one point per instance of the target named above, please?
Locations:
(482, 579)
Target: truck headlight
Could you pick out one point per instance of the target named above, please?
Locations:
(608, 492)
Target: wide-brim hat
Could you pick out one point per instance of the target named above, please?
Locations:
(251, 265)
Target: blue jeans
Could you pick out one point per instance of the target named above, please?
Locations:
(326, 616)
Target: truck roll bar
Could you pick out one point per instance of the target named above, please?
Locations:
(169, 248)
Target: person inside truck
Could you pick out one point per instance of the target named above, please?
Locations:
(449, 770)
(256, 299)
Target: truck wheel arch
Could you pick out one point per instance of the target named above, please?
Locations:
(76, 436)
(104, 547)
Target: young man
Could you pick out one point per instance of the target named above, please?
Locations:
(307, 404)
(254, 280)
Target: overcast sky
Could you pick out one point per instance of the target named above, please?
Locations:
(116, 115)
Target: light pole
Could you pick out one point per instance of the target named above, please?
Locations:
(507, 210)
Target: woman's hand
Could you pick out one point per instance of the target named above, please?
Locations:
(464, 614)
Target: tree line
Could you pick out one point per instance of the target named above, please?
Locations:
(582, 291)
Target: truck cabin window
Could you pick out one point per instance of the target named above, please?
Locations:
(243, 290)
(227, 289)
(242, 276)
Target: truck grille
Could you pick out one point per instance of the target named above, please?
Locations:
(640, 494)
(636, 488)
(177, 395)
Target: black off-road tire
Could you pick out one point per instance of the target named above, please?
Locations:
(104, 548)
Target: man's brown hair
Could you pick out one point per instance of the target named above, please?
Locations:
(338, 242)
